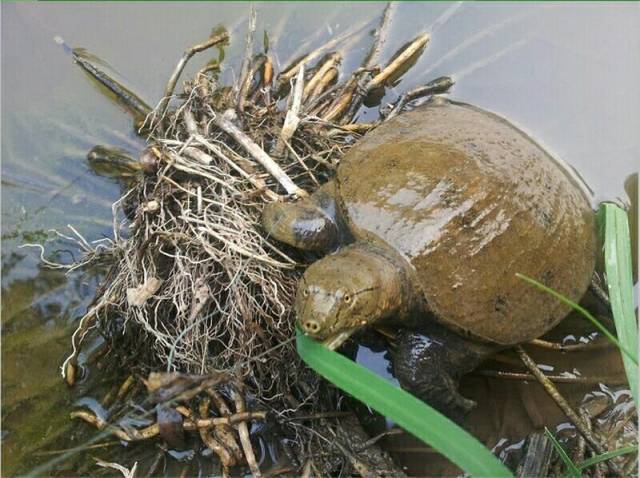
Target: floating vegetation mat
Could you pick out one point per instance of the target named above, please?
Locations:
(196, 304)
(196, 288)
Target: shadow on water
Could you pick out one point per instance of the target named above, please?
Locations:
(541, 66)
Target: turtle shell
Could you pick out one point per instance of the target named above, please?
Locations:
(469, 200)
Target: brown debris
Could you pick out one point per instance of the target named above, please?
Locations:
(245, 440)
(553, 392)
(227, 459)
(171, 84)
(197, 282)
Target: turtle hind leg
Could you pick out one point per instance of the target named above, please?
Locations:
(429, 363)
(310, 224)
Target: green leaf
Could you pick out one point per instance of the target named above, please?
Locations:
(618, 269)
(606, 456)
(572, 469)
(413, 415)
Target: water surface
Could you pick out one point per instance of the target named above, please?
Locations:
(566, 73)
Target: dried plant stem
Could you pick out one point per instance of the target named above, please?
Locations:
(245, 89)
(323, 86)
(267, 74)
(594, 344)
(358, 465)
(267, 79)
(257, 182)
(439, 85)
(292, 119)
(245, 440)
(109, 397)
(224, 430)
(380, 36)
(597, 289)
(332, 61)
(151, 431)
(358, 127)
(226, 457)
(341, 104)
(245, 70)
(234, 419)
(304, 166)
(378, 80)
(155, 464)
(189, 52)
(125, 387)
(580, 448)
(78, 448)
(259, 155)
(419, 43)
(553, 378)
(70, 365)
(292, 70)
(380, 436)
(537, 459)
(131, 100)
(564, 406)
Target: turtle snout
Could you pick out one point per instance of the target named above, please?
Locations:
(315, 311)
(310, 326)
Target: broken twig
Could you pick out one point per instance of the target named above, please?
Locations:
(171, 84)
(259, 155)
(564, 406)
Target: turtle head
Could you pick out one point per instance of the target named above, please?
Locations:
(346, 291)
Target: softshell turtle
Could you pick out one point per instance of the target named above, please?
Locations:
(428, 220)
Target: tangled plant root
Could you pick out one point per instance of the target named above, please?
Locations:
(194, 278)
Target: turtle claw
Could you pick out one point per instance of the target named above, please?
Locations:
(429, 363)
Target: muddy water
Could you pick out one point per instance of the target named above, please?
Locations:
(508, 411)
(568, 75)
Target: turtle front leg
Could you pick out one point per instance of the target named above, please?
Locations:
(310, 224)
(429, 363)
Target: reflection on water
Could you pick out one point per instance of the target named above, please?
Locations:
(37, 318)
(541, 66)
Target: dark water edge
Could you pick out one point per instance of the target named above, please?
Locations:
(540, 65)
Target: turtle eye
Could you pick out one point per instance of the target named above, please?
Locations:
(347, 298)
(305, 292)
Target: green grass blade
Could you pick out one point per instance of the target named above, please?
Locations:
(403, 408)
(572, 469)
(606, 456)
(618, 269)
(630, 354)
